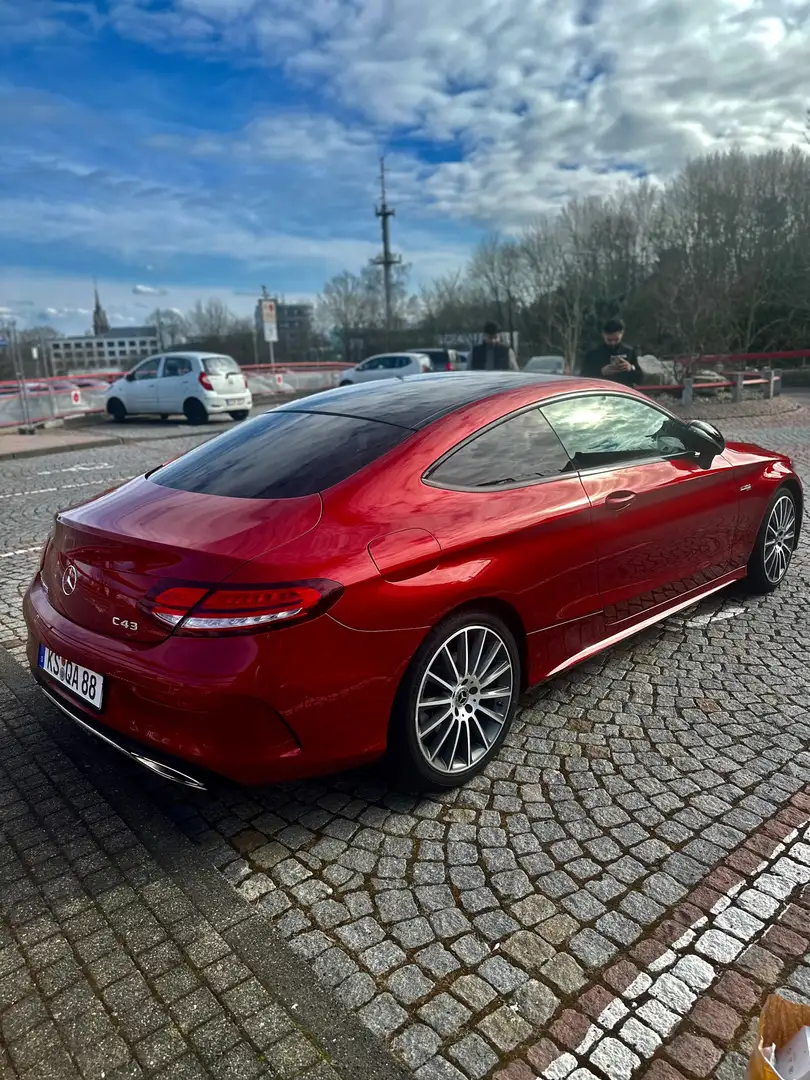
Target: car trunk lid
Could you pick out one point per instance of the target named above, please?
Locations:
(225, 376)
(108, 555)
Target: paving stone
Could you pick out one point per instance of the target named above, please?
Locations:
(717, 1020)
(416, 1045)
(475, 992)
(565, 973)
(695, 1055)
(409, 984)
(504, 976)
(505, 1029)
(615, 1059)
(535, 1002)
(445, 1015)
(474, 1056)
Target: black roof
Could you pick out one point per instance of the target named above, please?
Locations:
(416, 400)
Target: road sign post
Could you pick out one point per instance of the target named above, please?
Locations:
(270, 325)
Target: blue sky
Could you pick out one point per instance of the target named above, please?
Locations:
(207, 147)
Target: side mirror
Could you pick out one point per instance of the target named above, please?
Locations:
(707, 441)
(130, 376)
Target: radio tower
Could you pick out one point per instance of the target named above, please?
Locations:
(387, 260)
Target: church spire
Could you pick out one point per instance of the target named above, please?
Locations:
(101, 324)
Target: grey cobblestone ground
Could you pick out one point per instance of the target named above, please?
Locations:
(459, 927)
(111, 967)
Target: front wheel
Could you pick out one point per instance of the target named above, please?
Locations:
(457, 701)
(239, 415)
(775, 543)
(346, 382)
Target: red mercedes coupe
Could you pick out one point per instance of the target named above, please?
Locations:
(386, 567)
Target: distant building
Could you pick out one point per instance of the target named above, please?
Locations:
(295, 332)
(113, 351)
(109, 348)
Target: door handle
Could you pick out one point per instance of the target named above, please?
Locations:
(617, 500)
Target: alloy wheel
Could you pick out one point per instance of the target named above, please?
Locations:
(780, 538)
(464, 699)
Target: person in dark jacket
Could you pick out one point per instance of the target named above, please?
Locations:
(490, 354)
(613, 359)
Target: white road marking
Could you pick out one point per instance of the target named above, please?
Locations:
(75, 468)
(716, 616)
(668, 996)
(20, 551)
(67, 487)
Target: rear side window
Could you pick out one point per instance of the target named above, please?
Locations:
(281, 455)
(519, 451)
(220, 365)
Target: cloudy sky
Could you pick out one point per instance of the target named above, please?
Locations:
(201, 147)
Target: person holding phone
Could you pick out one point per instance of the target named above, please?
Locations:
(613, 359)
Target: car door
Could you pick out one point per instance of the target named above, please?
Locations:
(514, 519)
(369, 369)
(664, 521)
(142, 386)
(177, 383)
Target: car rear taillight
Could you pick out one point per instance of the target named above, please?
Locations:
(194, 609)
(205, 382)
(448, 366)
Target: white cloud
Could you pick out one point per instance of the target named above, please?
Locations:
(523, 88)
(148, 290)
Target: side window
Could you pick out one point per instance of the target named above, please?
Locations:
(147, 370)
(175, 366)
(372, 365)
(520, 450)
(606, 429)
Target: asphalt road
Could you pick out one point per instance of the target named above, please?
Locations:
(614, 897)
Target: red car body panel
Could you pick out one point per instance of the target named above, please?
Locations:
(575, 563)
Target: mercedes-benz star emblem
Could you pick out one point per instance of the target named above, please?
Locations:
(69, 579)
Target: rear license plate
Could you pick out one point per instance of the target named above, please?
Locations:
(82, 682)
(234, 401)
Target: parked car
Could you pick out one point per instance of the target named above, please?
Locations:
(546, 365)
(442, 359)
(386, 568)
(196, 384)
(386, 366)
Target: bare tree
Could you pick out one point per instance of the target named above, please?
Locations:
(172, 326)
(211, 319)
(342, 307)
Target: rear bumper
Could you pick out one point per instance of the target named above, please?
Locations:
(219, 402)
(298, 702)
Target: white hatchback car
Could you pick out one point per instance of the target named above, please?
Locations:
(198, 385)
(387, 366)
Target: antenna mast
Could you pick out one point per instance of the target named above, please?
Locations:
(387, 259)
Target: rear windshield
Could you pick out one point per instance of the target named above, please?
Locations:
(220, 365)
(281, 455)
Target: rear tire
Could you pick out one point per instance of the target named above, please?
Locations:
(117, 410)
(240, 415)
(775, 544)
(449, 720)
(195, 412)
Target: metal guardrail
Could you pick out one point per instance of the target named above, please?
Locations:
(41, 401)
(770, 379)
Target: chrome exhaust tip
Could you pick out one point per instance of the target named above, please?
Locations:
(166, 772)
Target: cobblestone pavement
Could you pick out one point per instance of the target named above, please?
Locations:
(614, 897)
(114, 964)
